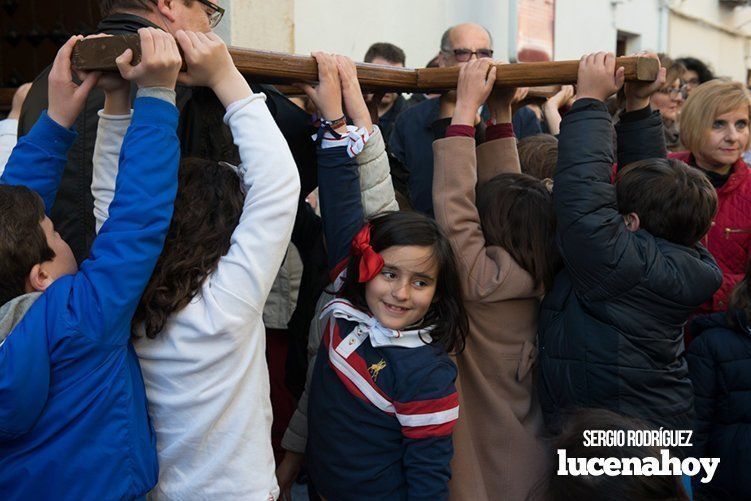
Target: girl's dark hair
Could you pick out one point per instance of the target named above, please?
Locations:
(740, 299)
(604, 487)
(697, 65)
(517, 214)
(447, 312)
(208, 206)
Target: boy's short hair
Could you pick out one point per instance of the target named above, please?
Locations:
(22, 241)
(707, 102)
(673, 201)
(387, 51)
(538, 155)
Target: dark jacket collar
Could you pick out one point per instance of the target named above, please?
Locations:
(720, 320)
(122, 24)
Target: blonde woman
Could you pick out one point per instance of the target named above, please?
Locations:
(714, 128)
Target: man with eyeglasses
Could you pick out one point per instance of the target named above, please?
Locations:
(411, 142)
(202, 131)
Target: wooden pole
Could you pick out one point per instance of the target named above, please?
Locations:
(535, 74)
(279, 68)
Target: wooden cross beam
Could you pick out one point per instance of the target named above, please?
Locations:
(99, 54)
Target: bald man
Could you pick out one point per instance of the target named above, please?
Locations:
(411, 142)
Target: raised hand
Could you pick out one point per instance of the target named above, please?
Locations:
(501, 102)
(354, 102)
(327, 95)
(210, 65)
(552, 106)
(476, 80)
(638, 93)
(66, 98)
(598, 77)
(160, 60)
(560, 98)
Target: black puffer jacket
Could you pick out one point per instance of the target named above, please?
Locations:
(202, 133)
(719, 361)
(611, 327)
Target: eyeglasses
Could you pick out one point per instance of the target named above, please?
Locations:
(214, 12)
(464, 55)
(682, 91)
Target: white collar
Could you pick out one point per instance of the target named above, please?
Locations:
(380, 336)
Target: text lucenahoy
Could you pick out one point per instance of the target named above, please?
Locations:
(648, 466)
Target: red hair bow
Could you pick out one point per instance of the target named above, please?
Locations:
(371, 262)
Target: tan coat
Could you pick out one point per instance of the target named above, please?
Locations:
(498, 452)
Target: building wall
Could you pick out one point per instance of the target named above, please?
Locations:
(714, 33)
(304, 26)
(259, 24)
(700, 28)
(584, 26)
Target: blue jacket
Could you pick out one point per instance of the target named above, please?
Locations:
(719, 361)
(611, 327)
(411, 143)
(356, 450)
(73, 417)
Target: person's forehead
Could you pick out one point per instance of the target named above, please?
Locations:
(411, 258)
(470, 37)
(386, 62)
(736, 114)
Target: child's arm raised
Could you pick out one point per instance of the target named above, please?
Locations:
(244, 276)
(338, 178)
(498, 154)
(488, 273)
(114, 121)
(39, 158)
(376, 188)
(110, 283)
(640, 130)
(592, 234)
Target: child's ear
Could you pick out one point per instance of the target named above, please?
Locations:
(632, 221)
(38, 279)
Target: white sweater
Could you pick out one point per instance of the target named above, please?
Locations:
(206, 376)
(8, 139)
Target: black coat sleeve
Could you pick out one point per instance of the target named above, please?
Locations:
(597, 248)
(640, 138)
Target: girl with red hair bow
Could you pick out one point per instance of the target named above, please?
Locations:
(382, 402)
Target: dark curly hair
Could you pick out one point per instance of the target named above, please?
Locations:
(447, 312)
(207, 209)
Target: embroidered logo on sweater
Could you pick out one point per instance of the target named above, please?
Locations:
(376, 368)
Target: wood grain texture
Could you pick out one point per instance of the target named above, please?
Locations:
(535, 74)
(279, 68)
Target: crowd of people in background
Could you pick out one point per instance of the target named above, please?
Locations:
(213, 291)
